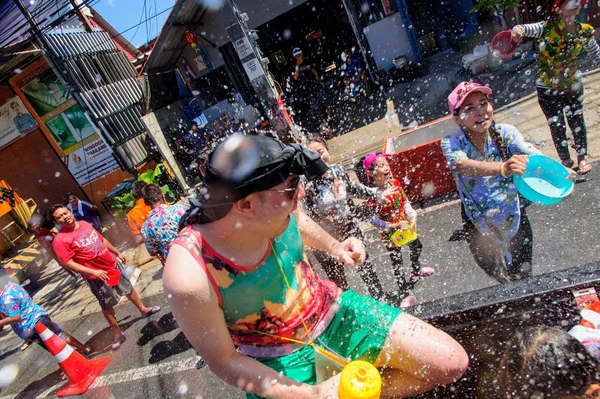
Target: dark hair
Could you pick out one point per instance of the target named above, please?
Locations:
(194, 123)
(317, 138)
(358, 168)
(152, 194)
(498, 141)
(137, 187)
(53, 209)
(546, 362)
(69, 194)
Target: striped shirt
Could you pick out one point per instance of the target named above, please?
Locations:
(559, 50)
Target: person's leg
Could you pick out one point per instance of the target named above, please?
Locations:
(109, 315)
(415, 247)
(63, 334)
(366, 270)
(521, 248)
(398, 264)
(135, 299)
(486, 253)
(71, 340)
(419, 357)
(334, 270)
(577, 125)
(551, 104)
(368, 275)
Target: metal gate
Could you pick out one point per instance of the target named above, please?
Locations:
(104, 80)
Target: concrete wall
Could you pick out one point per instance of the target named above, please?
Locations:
(158, 122)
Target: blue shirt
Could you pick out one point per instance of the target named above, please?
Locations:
(24, 122)
(15, 300)
(353, 67)
(490, 202)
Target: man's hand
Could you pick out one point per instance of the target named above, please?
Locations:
(100, 275)
(516, 165)
(122, 258)
(351, 252)
(329, 389)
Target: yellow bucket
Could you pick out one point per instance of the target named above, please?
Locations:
(360, 379)
(402, 237)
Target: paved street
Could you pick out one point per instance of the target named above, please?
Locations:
(157, 362)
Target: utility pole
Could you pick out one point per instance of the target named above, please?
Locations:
(87, 24)
(256, 70)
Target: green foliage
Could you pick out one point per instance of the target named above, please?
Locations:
(122, 204)
(494, 6)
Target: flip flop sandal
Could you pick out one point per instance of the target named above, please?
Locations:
(153, 309)
(118, 342)
(25, 345)
(583, 165)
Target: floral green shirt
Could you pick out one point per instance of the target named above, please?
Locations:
(559, 50)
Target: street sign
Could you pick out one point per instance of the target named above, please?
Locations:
(253, 69)
(243, 47)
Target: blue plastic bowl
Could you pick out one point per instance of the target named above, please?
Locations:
(544, 181)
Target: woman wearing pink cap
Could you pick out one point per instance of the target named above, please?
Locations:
(482, 157)
(559, 85)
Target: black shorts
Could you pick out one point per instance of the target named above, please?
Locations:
(108, 296)
(52, 326)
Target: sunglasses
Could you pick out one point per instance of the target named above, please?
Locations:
(291, 191)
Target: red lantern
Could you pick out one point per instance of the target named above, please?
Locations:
(190, 38)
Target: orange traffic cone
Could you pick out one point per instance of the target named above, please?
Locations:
(80, 371)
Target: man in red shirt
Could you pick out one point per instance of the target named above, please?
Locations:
(81, 248)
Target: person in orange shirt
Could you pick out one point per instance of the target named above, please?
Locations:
(139, 213)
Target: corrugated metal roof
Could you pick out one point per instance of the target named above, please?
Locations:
(170, 44)
(15, 27)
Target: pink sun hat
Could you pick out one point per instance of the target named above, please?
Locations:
(368, 162)
(462, 91)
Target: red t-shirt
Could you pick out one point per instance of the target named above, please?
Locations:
(85, 246)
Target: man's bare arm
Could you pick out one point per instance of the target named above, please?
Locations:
(114, 250)
(194, 304)
(79, 268)
(351, 251)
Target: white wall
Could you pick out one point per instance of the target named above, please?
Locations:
(388, 40)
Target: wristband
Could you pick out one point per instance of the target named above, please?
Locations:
(502, 170)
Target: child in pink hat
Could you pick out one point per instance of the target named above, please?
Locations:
(398, 214)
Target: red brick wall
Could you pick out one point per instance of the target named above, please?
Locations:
(32, 168)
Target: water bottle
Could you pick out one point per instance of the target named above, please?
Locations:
(360, 380)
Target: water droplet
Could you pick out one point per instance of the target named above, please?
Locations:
(8, 374)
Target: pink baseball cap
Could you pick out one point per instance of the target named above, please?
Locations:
(462, 91)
